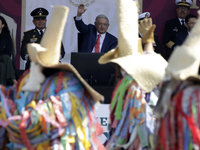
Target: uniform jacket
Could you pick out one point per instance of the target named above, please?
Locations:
(89, 34)
(172, 27)
(180, 37)
(32, 36)
(157, 45)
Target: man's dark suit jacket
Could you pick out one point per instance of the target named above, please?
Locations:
(172, 27)
(32, 36)
(89, 34)
(180, 37)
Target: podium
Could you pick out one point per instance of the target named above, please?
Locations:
(106, 91)
(98, 76)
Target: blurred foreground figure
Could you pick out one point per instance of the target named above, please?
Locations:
(131, 119)
(35, 35)
(177, 111)
(51, 107)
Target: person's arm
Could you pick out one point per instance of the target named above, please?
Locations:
(146, 28)
(148, 48)
(80, 25)
(23, 51)
(81, 10)
(167, 36)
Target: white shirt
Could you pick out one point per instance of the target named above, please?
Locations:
(78, 18)
(40, 30)
(181, 20)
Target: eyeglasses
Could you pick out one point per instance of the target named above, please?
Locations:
(102, 24)
(183, 8)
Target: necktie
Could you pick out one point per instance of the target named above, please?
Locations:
(183, 23)
(97, 45)
(41, 32)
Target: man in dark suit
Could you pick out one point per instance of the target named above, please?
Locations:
(174, 26)
(190, 21)
(91, 33)
(35, 35)
(156, 44)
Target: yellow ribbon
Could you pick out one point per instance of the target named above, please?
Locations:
(52, 114)
(22, 84)
(78, 123)
(82, 110)
(43, 146)
(4, 118)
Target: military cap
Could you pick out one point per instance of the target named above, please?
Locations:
(144, 15)
(183, 3)
(39, 13)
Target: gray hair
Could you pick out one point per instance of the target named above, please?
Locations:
(101, 16)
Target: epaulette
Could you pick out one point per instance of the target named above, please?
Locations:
(28, 30)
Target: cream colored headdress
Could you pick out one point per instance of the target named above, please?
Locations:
(148, 70)
(47, 53)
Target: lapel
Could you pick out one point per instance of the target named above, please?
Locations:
(37, 33)
(94, 38)
(178, 22)
(105, 42)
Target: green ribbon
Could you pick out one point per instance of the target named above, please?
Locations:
(119, 95)
(63, 140)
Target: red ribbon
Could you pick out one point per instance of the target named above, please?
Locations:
(190, 119)
(22, 130)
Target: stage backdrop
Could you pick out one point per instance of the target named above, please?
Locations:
(95, 7)
(11, 11)
(161, 11)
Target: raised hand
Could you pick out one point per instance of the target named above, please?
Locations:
(81, 10)
(147, 30)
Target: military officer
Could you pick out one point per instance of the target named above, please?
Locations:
(35, 35)
(176, 25)
(156, 44)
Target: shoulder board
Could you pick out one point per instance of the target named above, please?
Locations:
(29, 30)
